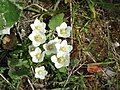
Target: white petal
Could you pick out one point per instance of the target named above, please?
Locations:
(67, 61)
(43, 55)
(37, 50)
(34, 59)
(57, 40)
(70, 48)
(43, 25)
(32, 26)
(63, 25)
(44, 46)
(57, 45)
(59, 54)
(54, 59)
(69, 28)
(31, 53)
(64, 43)
(37, 76)
(43, 39)
(36, 44)
(58, 29)
(31, 36)
(42, 77)
(37, 69)
(36, 22)
(42, 68)
(57, 65)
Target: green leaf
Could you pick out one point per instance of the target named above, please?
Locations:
(108, 6)
(2, 21)
(18, 72)
(74, 62)
(18, 62)
(61, 88)
(92, 9)
(9, 13)
(56, 21)
(2, 69)
(63, 70)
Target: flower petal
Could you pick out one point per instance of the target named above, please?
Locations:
(36, 22)
(34, 59)
(57, 65)
(63, 25)
(54, 59)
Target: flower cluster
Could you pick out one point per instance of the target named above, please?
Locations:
(57, 48)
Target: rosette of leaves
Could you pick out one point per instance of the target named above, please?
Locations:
(9, 14)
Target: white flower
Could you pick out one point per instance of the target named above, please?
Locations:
(37, 38)
(50, 47)
(38, 26)
(63, 30)
(37, 55)
(61, 60)
(63, 47)
(40, 72)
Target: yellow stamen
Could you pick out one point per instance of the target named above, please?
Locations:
(61, 60)
(63, 31)
(38, 38)
(38, 55)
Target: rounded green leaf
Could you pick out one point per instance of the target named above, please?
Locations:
(56, 21)
(9, 13)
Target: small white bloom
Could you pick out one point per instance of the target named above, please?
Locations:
(63, 47)
(61, 60)
(50, 46)
(63, 30)
(38, 26)
(37, 55)
(37, 38)
(40, 72)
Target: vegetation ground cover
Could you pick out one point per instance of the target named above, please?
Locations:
(95, 38)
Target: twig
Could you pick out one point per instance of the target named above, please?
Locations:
(70, 75)
(56, 5)
(30, 84)
(78, 67)
(90, 55)
(6, 80)
(72, 72)
(36, 6)
(71, 21)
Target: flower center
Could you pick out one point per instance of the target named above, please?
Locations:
(38, 38)
(50, 47)
(38, 55)
(40, 72)
(38, 27)
(63, 31)
(61, 60)
(63, 49)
